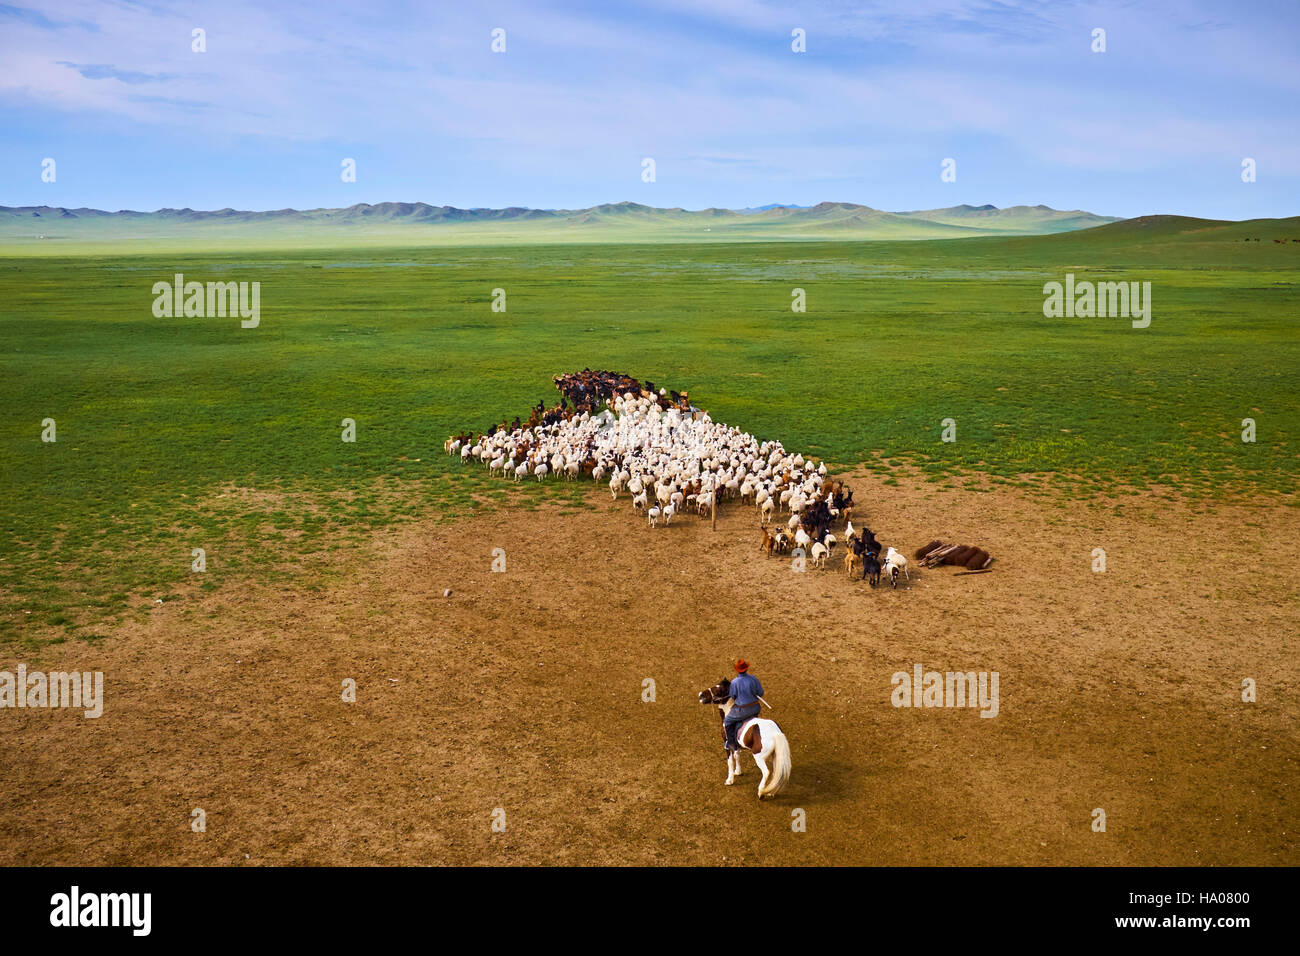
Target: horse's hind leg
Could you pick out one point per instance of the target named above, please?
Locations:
(733, 766)
(762, 765)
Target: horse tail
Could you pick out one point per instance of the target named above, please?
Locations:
(780, 765)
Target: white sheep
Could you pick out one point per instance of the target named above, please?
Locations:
(689, 459)
(819, 553)
(894, 563)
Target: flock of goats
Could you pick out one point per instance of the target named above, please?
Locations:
(671, 458)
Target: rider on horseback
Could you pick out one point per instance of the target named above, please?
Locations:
(745, 691)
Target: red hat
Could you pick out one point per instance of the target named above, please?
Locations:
(741, 666)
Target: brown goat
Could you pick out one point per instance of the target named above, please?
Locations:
(852, 563)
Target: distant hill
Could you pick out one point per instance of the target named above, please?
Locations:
(617, 222)
(772, 205)
(1141, 230)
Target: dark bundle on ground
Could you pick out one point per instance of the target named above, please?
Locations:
(932, 546)
(959, 555)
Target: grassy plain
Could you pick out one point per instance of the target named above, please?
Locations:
(193, 432)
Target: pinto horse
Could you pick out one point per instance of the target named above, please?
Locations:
(761, 737)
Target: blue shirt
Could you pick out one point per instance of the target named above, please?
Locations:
(745, 690)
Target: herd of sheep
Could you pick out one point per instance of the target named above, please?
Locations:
(674, 459)
(682, 458)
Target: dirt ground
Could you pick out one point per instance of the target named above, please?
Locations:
(522, 692)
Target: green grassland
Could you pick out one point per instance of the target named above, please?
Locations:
(193, 432)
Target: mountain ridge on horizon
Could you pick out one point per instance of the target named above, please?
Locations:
(626, 221)
(425, 210)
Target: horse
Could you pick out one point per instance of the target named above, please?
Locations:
(761, 737)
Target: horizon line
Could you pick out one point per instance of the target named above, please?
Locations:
(559, 209)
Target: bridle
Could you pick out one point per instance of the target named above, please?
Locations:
(717, 695)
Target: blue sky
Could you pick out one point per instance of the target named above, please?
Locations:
(710, 89)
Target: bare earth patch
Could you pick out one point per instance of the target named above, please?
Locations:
(522, 691)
